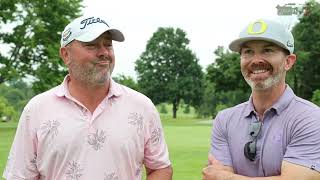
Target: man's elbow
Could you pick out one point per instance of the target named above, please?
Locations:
(165, 173)
(169, 171)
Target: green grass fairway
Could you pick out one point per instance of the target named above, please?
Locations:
(188, 147)
(187, 139)
(7, 131)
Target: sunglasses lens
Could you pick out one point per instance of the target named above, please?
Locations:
(247, 153)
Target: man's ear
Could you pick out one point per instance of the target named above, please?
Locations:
(64, 54)
(290, 60)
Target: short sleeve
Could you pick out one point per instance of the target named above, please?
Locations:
(304, 146)
(21, 163)
(219, 141)
(156, 151)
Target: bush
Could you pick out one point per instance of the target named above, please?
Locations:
(7, 112)
(163, 109)
(186, 109)
(316, 97)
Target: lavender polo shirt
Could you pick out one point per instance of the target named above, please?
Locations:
(58, 138)
(290, 132)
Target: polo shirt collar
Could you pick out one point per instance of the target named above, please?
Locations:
(279, 106)
(62, 89)
(114, 89)
(249, 109)
(284, 100)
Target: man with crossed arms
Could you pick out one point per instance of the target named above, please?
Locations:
(275, 135)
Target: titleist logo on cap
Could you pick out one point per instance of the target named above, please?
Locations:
(91, 20)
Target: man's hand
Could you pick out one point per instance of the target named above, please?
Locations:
(215, 170)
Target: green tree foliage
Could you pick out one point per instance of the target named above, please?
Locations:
(186, 109)
(7, 112)
(305, 77)
(207, 108)
(316, 97)
(16, 94)
(225, 85)
(163, 108)
(127, 81)
(168, 71)
(225, 72)
(34, 40)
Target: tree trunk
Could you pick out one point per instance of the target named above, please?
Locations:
(1, 79)
(174, 110)
(175, 106)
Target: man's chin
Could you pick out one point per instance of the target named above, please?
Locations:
(103, 79)
(259, 86)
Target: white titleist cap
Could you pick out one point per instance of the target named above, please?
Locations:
(265, 30)
(88, 28)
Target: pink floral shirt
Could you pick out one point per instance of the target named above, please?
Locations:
(60, 139)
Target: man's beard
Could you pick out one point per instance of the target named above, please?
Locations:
(90, 73)
(267, 83)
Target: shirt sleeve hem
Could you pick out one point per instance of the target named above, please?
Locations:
(310, 165)
(164, 165)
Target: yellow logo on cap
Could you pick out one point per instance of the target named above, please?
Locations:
(263, 27)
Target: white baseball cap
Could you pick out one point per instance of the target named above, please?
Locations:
(87, 28)
(265, 30)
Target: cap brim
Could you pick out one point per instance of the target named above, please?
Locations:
(92, 35)
(236, 44)
(116, 35)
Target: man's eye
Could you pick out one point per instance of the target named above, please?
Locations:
(268, 50)
(90, 45)
(107, 44)
(247, 51)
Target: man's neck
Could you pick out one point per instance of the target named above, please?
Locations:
(88, 94)
(263, 100)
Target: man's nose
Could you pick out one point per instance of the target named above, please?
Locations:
(103, 51)
(257, 57)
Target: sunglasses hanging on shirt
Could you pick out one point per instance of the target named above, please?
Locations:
(250, 148)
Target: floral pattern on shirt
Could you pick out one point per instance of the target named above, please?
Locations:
(97, 139)
(50, 127)
(156, 136)
(152, 124)
(136, 120)
(33, 161)
(74, 171)
(111, 176)
(139, 169)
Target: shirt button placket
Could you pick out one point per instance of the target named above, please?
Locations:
(85, 114)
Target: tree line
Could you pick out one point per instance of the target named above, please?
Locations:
(168, 71)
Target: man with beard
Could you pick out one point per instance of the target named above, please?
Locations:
(275, 135)
(89, 127)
